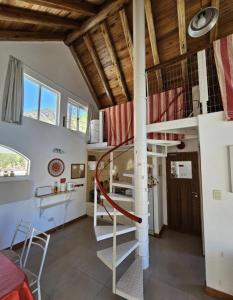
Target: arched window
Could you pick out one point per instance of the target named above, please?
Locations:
(13, 163)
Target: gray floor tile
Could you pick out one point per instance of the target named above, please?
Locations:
(73, 271)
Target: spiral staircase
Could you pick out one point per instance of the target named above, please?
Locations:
(130, 285)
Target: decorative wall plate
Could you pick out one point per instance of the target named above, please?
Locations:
(56, 167)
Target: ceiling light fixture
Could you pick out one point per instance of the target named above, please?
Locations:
(203, 21)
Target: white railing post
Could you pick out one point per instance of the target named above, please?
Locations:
(111, 172)
(140, 134)
(114, 254)
(95, 203)
(101, 135)
(202, 77)
(155, 191)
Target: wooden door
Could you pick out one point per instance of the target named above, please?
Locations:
(183, 192)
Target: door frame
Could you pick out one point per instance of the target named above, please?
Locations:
(164, 193)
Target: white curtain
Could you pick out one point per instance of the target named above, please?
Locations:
(12, 105)
(92, 115)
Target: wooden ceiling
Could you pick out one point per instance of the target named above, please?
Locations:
(99, 35)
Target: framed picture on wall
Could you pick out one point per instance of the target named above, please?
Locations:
(77, 171)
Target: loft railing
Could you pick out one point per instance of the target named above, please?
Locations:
(187, 71)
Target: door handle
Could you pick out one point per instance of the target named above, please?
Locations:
(195, 194)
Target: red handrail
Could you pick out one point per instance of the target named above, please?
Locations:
(102, 190)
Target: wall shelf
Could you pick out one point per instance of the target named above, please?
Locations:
(54, 204)
(53, 194)
(43, 207)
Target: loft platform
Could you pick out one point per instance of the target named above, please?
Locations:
(187, 126)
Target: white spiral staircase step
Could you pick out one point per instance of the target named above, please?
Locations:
(122, 252)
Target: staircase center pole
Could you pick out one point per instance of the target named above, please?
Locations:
(140, 145)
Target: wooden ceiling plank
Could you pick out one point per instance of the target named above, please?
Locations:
(100, 70)
(85, 76)
(182, 36)
(153, 41)
(182, 26)
(11, 35)
(127, 33)
(214, 31)
(84, 8)
(22, 15)
(107, 11)
(114, 59)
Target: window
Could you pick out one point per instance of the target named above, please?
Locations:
(40, 101)
(76, 117)
(12, 163)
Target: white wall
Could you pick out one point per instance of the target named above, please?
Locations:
(53, 64)
(215, 136)
(52, 60)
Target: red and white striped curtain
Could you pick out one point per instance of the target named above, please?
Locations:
(223, 52)
(165, 106)
(119, 123)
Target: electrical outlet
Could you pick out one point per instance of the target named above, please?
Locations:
(217, 195)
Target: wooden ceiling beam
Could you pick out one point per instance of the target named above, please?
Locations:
(182, 36)
(105, 12)
(10, 35)
(182, 26)
(214, 31)
(127, 33)
(85, 77)
(97, 63)
(22, 15)
(114, 59)
(84, 8)
(153, 41)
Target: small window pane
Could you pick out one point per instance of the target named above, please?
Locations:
(31, 98)
(72, 117)
(12, 163)
(181, 169)
(48, 106)
(82, 120)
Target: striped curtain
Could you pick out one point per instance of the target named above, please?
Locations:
(119, 123)
(223, 53)
(165, 106)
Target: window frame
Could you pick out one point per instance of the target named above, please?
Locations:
(78, 105)
(41, 84)
(17, 177)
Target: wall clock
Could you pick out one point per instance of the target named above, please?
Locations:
(56, 167)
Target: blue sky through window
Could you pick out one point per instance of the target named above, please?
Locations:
(31, 95)
(48, 99)
(38, 97)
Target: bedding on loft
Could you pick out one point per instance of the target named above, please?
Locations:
(165, 106)
(223, 53)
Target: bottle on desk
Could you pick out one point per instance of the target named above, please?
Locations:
(56, 187)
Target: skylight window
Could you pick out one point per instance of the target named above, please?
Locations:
(40, 101)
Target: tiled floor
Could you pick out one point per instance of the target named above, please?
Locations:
(73, 271)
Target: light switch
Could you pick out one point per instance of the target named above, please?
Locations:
(217, 195)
